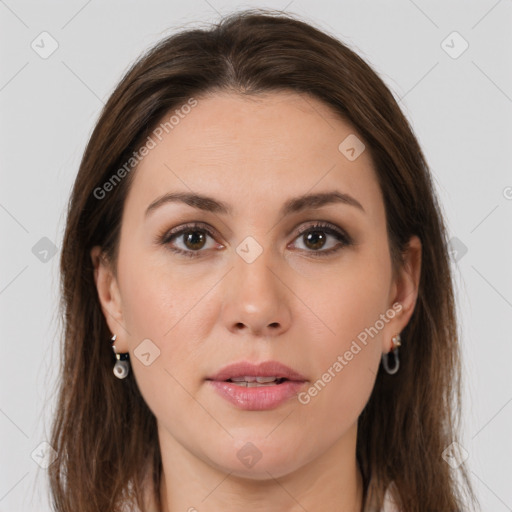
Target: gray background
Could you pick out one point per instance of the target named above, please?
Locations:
(460, 109)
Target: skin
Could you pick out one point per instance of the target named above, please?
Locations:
(202, 313)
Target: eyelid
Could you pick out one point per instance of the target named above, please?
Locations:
(188, 226)
(328, 226)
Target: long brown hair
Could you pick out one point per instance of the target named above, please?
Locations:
(103, 431)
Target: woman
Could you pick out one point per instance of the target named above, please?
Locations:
(259, 310)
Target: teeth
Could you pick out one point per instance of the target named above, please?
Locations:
(244, 384)
(265, 379)
(244, 379)
(251, 378)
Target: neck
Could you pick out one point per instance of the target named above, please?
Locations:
(332, 481)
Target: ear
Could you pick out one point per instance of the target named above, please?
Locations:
(109, 297)
(404, 290)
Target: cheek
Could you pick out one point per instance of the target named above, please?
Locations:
(352, 301)
(351, 344)
(346, 368)
(337, 398)
(161, 312)
(158, 296)
(170, 308)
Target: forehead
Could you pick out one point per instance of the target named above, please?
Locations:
(248, 149)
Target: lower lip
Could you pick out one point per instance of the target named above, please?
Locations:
(257, 398)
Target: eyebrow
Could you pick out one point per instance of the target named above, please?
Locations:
(293, 205)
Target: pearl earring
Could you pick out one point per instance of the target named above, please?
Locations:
(122, 366)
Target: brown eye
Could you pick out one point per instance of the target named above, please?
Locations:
(314, 239)
(190, 240)
(194, 240)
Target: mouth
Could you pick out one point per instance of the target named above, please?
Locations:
(255, 382)
(257, 387)
(266, 373)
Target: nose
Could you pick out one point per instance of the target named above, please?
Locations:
(256, 298)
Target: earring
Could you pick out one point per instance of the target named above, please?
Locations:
(122, 366)
(393, 354)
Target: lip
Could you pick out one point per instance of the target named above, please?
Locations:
(257, 398)
(263, 369)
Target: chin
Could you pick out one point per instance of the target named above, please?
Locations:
(258, 461)
(263, 471)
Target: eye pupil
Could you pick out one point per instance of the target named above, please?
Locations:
(314, 236)
(191, 239)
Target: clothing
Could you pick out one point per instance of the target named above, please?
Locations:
(389, 504)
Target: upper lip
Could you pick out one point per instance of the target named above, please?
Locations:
(263, 369)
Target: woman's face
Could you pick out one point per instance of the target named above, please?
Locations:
(246, 286)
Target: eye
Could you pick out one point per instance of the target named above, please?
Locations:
(192, 237)
(315, 237)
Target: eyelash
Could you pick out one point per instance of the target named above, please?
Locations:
(325, 227)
